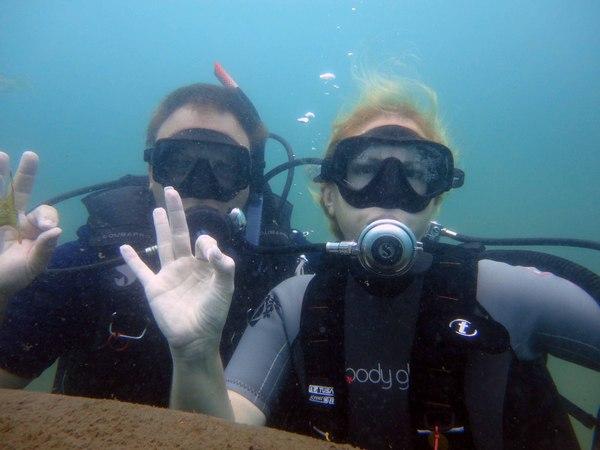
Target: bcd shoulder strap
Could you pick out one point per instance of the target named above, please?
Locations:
(319, 351)
(480, 345)
(449, 301)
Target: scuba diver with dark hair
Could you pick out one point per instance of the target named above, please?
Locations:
(208, 142)
(398, 340)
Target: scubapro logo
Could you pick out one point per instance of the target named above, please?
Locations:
(463, 327)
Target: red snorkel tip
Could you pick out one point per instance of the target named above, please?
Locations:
(224, 77)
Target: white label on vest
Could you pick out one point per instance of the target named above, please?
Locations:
(321, 390)
(323, 399)
(321, 394)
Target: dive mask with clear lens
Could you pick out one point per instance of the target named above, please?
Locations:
(391, 167)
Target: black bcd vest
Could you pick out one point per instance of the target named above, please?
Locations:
(103, 363)
(463, 372)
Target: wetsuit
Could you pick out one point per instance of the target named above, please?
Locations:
(541, 312)
(80, 318)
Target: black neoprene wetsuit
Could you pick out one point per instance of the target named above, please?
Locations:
(541, 312)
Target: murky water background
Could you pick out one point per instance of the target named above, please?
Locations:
(519, 87)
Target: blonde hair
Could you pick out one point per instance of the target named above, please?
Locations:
(383, 96)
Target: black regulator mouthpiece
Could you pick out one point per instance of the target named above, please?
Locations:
(224, 228)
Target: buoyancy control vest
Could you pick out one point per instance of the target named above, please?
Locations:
(467, 388)
(124, 215)
(117, 313)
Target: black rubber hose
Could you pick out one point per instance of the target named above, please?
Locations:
(596, 436)
(288, 249)
(585, 418)
(295, 163)
(290, 175)
(127, 180)
(113, 262)
(560, 242)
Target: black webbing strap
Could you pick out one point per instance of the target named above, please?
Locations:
(486, 377)
(450, 290)
(321, 343)
(586, 419)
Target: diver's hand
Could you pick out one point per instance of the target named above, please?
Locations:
(191, 294)
(25, 250)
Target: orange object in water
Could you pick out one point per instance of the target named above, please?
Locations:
(8, 211)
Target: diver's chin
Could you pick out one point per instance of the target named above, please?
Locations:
(397, 215)
(386, 214)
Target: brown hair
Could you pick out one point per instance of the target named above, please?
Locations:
(202, 95)
(382, 97)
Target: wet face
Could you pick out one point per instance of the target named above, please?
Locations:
(351, 221)
(185, 118)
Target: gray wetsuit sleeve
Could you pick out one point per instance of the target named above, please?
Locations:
(543, 313)
(261, 363)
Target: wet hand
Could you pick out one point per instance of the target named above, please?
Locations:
(26, 241)
(191, 294)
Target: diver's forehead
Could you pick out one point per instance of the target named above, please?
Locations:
(390, 119)
(187, 117)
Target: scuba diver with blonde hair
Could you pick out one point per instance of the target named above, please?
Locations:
(398, 340)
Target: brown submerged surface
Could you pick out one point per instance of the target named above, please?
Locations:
(37, 420)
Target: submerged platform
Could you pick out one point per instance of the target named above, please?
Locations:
(39, 420)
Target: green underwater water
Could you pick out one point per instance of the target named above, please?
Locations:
(518, 86)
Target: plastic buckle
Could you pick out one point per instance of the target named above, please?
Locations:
(440, 416)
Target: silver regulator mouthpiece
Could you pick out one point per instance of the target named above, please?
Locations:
(385, 247)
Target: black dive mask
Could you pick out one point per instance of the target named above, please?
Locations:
(201, 163)
(391, 167)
